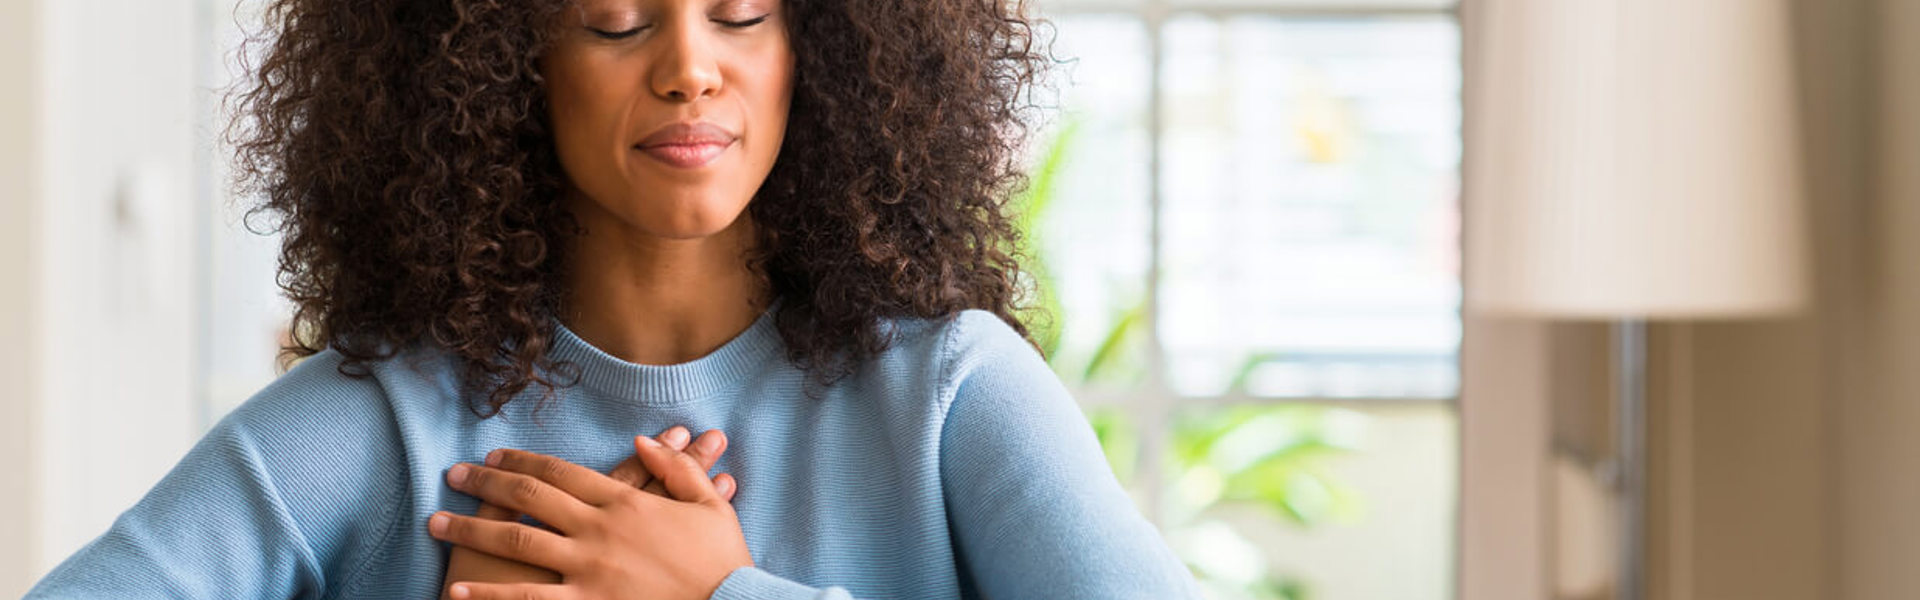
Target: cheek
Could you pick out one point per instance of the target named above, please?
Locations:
(586, 111)
(569, 110)
(772, 99)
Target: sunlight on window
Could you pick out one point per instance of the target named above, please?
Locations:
(1311, 216)
(1299, 441)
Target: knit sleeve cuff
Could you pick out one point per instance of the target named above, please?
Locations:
(752, 583)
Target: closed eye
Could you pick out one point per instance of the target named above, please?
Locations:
(615, 35)
(743, 24)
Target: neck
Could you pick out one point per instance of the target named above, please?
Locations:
(657, 301)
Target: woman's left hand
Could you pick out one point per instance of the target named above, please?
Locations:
(612, 540)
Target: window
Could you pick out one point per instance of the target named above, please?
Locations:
(1262, 317)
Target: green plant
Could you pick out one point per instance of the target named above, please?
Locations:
(1031, 209)
(1273, 457)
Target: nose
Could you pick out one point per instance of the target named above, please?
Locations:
(688, 69)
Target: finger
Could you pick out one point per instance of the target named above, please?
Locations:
(726, 493)
(684, 478)
(495, 512)
(467, 590)
(515, 541)
(674, 437)
(580, 482)
(520, 493)
(631, 472)
(634, 474)
(707, 448)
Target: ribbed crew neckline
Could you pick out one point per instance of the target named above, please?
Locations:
(699, 378)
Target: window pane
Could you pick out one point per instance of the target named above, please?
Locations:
(1311, 184)
(1089, 213)
(1297, 502)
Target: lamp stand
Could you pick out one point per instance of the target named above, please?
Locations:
(1630, 427)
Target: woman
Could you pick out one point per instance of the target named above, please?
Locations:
(520, 233)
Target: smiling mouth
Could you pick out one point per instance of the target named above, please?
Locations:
(688, 155)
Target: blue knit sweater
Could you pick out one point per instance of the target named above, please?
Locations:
(952, 465)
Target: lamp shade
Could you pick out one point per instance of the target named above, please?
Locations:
(1631, 159)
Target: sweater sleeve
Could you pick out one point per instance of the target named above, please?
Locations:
(269, 504)
(213, 527)
(1035, 509)
(753, 583)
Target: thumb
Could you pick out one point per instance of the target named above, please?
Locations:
(684, 478)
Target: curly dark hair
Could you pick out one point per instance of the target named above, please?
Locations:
(403, 149)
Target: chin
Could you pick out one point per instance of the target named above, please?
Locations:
(688, 218)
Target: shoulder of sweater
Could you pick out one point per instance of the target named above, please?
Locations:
(328, 441)
(965, 335)
(314, 387)
(995, 382)
(960, 344)
(322, 393)
(977, 337)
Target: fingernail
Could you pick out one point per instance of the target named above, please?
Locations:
(438, 524)
(493, 458)
(458, 591)
(710, 441)
(726, 486)
(457, 475)
(676, 437)
(649, 442)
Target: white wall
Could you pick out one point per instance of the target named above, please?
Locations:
(111, 199)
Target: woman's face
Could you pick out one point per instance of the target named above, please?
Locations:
(668, 114)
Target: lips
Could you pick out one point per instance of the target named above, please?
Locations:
(688, 134)
(687, 145)
(685, 156)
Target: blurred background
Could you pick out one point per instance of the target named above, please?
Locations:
(1341, 284)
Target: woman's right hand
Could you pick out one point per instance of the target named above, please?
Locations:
(466, 564)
